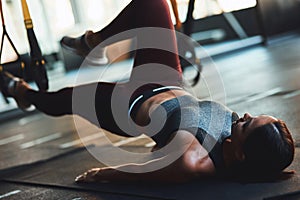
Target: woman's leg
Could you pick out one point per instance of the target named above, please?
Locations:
(139, 14)
(93, 102)
(149, 22)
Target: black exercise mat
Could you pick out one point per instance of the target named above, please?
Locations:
(24, 166)
(30, 156)
(61, 172)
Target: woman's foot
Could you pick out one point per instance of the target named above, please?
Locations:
(12, 86)
(80, 46)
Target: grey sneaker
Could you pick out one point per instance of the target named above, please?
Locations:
(79, 46)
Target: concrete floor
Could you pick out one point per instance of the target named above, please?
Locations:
(258, 80)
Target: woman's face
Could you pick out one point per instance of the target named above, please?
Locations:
(241, 128)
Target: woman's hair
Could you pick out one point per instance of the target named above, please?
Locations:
(268, 150)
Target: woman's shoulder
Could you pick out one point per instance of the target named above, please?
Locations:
(195, 157)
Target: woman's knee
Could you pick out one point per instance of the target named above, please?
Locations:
(154, 13)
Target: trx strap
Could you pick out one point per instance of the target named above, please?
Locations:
(37, 65)
(18, 62)
(6, 34)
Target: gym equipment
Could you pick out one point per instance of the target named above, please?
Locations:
(37, 65)
(18, 63)
(188, 57)
(186, 50)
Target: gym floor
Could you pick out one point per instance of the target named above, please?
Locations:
(41, 155)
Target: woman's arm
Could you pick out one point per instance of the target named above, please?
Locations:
(194, 163)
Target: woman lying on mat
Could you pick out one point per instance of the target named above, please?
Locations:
(212, 138)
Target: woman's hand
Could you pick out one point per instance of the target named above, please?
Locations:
(91, 175)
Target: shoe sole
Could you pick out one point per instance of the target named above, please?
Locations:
(90, 60)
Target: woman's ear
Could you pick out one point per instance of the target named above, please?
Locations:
(228, 140)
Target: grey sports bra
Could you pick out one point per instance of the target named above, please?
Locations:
(150, 90)
(209, 121)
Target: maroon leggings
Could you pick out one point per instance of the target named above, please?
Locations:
(138, 14)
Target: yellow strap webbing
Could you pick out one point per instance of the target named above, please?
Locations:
(26, 14)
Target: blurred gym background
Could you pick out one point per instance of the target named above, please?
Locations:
(218, 25)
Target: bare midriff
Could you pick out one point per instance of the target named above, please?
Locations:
(142, 116)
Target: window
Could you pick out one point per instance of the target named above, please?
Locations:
(232, 5)
(59, 17)
(16, 30)
(53, 19)
(205, 8)
(96, 14)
